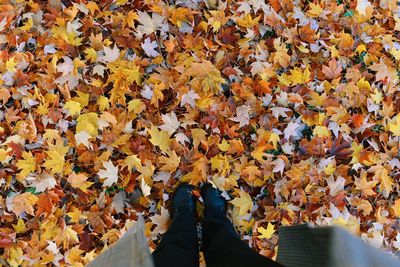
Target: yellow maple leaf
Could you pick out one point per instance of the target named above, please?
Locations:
(146, 171)
(395, 126)
(252, 172)
(396, 208)
(198, 136)
(224, 145)
(11, 64)
(92, 6)
(243, 203)
(199, 172)
(280, 56)
(377, 96)
(130, 19)
(356, 152)
(26, 165)
(137, 106)
(15, 256)
(315, 10)
(382, 175)
(87, 122)
(206, 77)
(91, 54)
(67, 36)
(27, 25)
(274, 138)
(321, 131)
(56, 162)
(103, 103)
(299, 76)
(75, 214)
(266, 233)
(259, 153)
(51, 134)
(74, 108)
(248, 21)
(82, 98)
(170, 163)
(132, 161)
(4, 154)
(330, 169)
(73, 257)
(160, 138)
(364, 185)
(220, 163)
(20, 226)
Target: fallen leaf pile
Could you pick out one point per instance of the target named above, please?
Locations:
(291, 108)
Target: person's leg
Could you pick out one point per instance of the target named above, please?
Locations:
(222, 245)
(180, 246)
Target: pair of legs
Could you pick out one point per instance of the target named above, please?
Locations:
(222, 246)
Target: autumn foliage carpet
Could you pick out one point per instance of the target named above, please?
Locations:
(289, 107)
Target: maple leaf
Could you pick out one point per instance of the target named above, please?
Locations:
(87, 122)
(242, 115)
(248, 21)
(205, 75)
(198, 136)
(160, 138)
(333, 70)
(79, 181)
(110, 174)
(110, 55)
(395, 126)
(171, 123)
(20, 226)
(82, 137)
(44, 182)
(23, 203)
(170, 163)
(335, 186)
(281, 56)
(11, 64)
(56, 162)
(91, 54)
(189, 98)
(66, 67)
(220, 163)
(145, 188)
(266, 233)
(252, 172)
(132, 161)
(362, 6)
(160, 221)
(75, 214)
(150, 24)
(243, 203)
(136, 106)
(26, 165)
(382, 175)
(74, 108)
(149, 47)
(365, 186)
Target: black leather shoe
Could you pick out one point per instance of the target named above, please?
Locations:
(212, 198)
(183, 199)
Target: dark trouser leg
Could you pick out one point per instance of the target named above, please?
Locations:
(222, 246)
(179, 245)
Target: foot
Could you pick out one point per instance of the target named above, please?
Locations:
(212, 198)
(183, 199)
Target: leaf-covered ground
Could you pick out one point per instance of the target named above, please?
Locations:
(290, 107)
